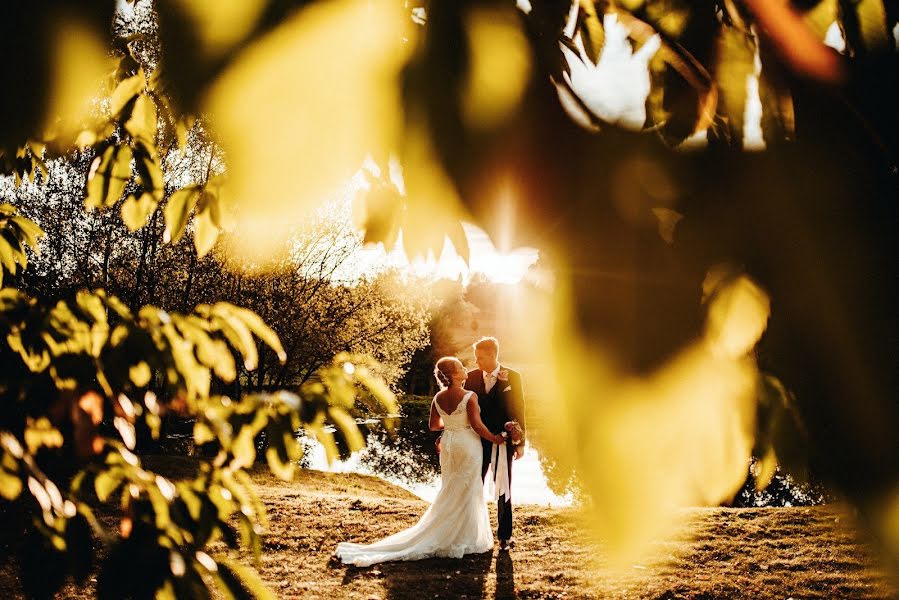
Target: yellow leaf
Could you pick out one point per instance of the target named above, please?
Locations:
(10, 486)
(261, 330)
(151, 172)
(736, 63)
(41, 433)
(177, 212)
(142, 123)
(135, 212)
(433, 208)
(273, 121)
(220, 25)
(205, 232)
(140, 374)
(738, 316)
(499, 68)
(668, 220)
(202, 433)
(125, 91)
(821, 16)
(80, 61)
(765, 469)
(872, 21)
(348, 428)
(108, 175)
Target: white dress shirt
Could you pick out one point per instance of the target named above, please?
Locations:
(490, 379)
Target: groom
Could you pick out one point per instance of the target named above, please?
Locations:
(501, 399)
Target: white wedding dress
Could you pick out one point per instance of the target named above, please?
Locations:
(457, 523)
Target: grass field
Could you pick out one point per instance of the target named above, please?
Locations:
(718, 553)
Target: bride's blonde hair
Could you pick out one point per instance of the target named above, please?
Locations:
(443, 371)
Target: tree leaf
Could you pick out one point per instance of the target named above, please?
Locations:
(237, 333)
(765, 469)
(261, 330)
(205, 232)
(177, 212)
(203, 434)
(41, 433)
(136, 212)
(107, 482)
(10, 485)
(30, 230)
(108, 176)
(872, 25)
(668, 220)
(125, 91)
(142, 125)
(348, 428)
(248, 578)
(151, 174)
(736, 62)
(8, 255)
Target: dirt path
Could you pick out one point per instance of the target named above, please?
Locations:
(719, 553)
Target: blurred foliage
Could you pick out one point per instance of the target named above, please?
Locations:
(78, 383)
(654, 386)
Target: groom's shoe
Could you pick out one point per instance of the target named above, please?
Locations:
(506, 545)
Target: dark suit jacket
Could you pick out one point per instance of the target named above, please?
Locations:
(504, 402)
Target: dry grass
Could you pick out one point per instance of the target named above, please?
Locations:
(717, 553)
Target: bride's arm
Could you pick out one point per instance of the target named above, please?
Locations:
(435, 423)
(474, 417)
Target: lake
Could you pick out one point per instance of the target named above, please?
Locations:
(408, 460)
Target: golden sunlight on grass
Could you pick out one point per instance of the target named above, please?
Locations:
(713, 553)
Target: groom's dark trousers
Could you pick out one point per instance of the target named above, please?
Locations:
(503, 505)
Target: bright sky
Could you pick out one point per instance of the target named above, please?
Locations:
(500, 267)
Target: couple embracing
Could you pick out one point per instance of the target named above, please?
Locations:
(481, 414)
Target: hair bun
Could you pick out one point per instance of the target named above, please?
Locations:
(442, 371)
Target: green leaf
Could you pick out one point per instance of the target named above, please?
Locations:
(142, 124)
(108, 175)
(177, 212)
(125, 91)
(136, 212)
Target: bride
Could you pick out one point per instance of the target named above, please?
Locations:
(457, 522)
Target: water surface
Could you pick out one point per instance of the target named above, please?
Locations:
(408, 459)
